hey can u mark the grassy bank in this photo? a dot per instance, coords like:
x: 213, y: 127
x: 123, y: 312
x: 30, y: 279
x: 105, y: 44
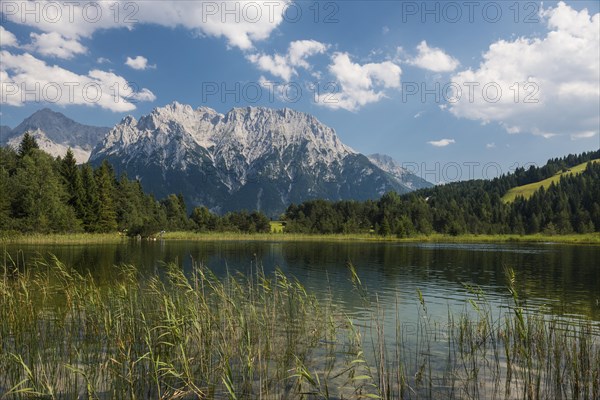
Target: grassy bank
x: 85, y: 238
x: 591, y: 238
x: 61, y: 238
x: 64, y: 335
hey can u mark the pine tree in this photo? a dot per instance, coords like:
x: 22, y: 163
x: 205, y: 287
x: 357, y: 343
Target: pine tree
x: 73, y: 182
x: 40, y: 198
x: 130, y: 205
x: 5, y: 200
x: 91, y: 203
x: 28, y: 144
x: 176, y: 212
x: 203, y: 219
x: 385, y: 229
x: 107, y: 215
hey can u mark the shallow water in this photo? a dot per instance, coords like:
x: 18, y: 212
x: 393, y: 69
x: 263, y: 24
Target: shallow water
x: 419, y: 337
x: 562, y: 280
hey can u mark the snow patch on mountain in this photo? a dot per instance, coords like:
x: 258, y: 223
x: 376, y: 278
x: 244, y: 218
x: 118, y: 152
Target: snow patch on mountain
x: 51, y: 147
x: 55, y: 133
x: 249, y: 157
x: 176, y: 134
x: 405, y: 177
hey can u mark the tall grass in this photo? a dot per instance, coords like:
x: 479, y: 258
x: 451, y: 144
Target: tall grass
x: 64, y: 335
x: 584, y: 238
x: 171, y: 335
x: 61, y: 238
x: 279, y: 235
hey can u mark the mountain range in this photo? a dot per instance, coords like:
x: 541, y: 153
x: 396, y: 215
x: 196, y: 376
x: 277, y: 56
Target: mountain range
x: 248, y: 158
x: 55, y: 133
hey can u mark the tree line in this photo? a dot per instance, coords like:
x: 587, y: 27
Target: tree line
x: 40, y: 193
x: 570, y: 206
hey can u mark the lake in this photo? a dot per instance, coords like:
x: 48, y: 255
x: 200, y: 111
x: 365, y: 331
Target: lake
x: 560, y: 279
x: 431, y: 318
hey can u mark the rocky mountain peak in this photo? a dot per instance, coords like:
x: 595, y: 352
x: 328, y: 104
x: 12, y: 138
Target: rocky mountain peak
x: 249, y: 157
x: 57, y: 132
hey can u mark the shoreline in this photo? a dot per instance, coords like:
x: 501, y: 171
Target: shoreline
x: 115, y: 238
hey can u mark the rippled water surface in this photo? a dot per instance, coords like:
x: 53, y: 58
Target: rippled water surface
x: 555, y: 279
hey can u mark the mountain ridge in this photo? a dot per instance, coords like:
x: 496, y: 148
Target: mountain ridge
x: 403, y: 175
x: 55, y: 133
x: 248, y: 157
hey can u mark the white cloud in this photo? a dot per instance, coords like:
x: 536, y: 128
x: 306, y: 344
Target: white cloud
x: 441, y: 142
x: 276, y: 65
x: 241, y: 23
x: 359, y: 85
x: 284, y: 66
x: 549, y: 85
x: 583, y: 135
x: 301, y: 49
x: 139, y: 63
x: 142, y: 95
x: 29, y: 79
x: 545, y: 135
x: 53, y: 44
x: 103, y: 60
x: 433, y: 59
x: 7, y: 39
x: 490, y: 145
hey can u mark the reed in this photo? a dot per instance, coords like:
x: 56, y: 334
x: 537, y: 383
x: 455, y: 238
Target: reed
x: 172, y: 335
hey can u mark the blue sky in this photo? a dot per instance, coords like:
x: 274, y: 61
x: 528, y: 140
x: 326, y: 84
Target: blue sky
x: 391, y: 77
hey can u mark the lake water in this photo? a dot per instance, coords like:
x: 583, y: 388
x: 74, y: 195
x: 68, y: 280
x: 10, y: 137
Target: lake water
x: 560, y: 282
x: 556, y: 279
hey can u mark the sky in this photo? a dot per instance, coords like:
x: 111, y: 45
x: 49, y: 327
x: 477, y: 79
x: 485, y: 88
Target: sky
x: 452, y: 90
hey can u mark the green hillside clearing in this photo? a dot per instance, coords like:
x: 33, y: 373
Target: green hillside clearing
x: 527, y: 190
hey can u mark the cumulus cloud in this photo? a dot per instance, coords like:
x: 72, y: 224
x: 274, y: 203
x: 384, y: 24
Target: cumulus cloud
x: 285, y: 66
x: 583, y: 135
x: 433, y: 59
x: 7, y: 39
x: 53, y: 44
x: 359, y: 85
x: 26, y: 78
x: 241, y: 22
x: 441, y: 142
x: 301, y: 49
x: 139, y: 63
x: 276, y: 65
x: 141, y: 95
x: 546, y: 86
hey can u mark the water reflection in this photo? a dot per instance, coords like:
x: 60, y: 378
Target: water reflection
x: 565, y: 279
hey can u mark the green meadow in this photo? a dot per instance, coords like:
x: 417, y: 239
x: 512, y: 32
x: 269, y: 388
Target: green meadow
x: 527, y: 190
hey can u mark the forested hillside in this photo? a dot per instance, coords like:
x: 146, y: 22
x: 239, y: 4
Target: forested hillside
x: 45, y: 194
x: 40, y: 193
x: 570, y: 206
